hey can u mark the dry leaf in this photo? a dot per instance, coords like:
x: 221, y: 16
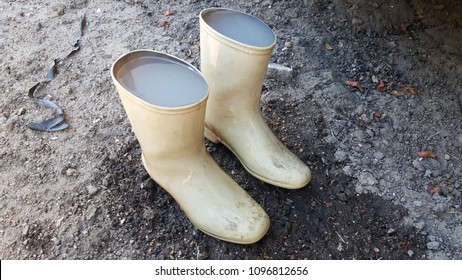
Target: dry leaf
x: 404, y: 26
x: 450, y: 187
x: 377, y: 114
x: 381, y: 87
x: 411, y: 90
x: 169, y: 13
x: 329, y: 47
x: 427, y: 154
x: 166, y: 24
x: 397, y: 93
x: 433, y: 190
x: 355, y: 84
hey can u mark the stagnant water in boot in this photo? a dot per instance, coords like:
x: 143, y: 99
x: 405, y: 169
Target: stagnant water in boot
x: 240, y: 27
x: 162, y: 81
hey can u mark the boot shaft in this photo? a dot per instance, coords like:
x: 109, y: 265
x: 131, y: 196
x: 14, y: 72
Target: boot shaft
x: 235, y: 52
x: 167, y: 117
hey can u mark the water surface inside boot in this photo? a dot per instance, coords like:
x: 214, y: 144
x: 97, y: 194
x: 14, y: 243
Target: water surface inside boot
x: 240, y: 27
x: 162, y: 81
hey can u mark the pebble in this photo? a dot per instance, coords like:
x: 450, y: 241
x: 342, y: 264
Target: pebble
x: 279, y: 72
x: 340, y: 156
x: 379, y: 155
x: 459, y: 138
x: 288, y: 45
x: 71, y: 172
x: 391, y: 231
x: 410, y: 253
x: 433, y: 245
x: 428, y: 173
x: 56, y: 241
x: 440, y: 207
x: 418, y: 165
x: 91, y: 214
x: 58, y: 9
x: 25, y: 230
x: 356, y: 21
x: 348, y: 171
x: 342, y: 197
x: 3, y: 119
x: 417, y: 203
x: 92, y: 190
x: 366, y: 178
x: 419, y: 225
x: 21, y: 111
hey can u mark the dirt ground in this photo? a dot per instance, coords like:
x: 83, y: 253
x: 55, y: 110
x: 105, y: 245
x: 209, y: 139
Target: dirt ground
x: 82, y: 193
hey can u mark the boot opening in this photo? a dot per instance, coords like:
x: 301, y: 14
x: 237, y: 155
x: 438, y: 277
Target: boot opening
x: 159, y: 79
x: 240, y: 27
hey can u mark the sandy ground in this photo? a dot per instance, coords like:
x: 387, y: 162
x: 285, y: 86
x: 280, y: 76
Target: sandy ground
x: 82, y: 193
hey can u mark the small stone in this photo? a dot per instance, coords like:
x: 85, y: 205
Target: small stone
x: 410, y: 253
x: 288, y: 45
x: 21, y: 111
x: 417, y: 203
x: 92, y: 213
x: 447, y: 157
x: 56, y: 241
x: 3, y: 118
x: 58, y: 9
x: 391, y: 231
x: 71, y: 172
x: 279, y: 72
x: 366, y: 178
x: 25, y: 230
x: 418, y: 165
x: 379, y: 155
x: 340, y: 156
x: 433, y: 245
x: 440, y: 207
x: 342, y: 197
x: 347, y: 170
x: 459, y: 138
x: 419, y: 225
x: 356, y: 22
x: 92, y: 190
x: 105, y: 182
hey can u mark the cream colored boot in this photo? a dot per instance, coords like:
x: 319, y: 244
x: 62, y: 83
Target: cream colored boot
x: 165, y: 100
x: 235, y: 52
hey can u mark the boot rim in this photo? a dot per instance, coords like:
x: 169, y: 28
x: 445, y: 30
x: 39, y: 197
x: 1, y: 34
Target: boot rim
x: 231, y: 42
x: 161, y: 109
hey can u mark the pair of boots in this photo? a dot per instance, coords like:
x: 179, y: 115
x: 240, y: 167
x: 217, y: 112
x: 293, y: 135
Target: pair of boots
x: 168, y: 104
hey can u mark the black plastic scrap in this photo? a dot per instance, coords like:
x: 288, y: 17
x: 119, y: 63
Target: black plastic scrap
x: 57, y: 122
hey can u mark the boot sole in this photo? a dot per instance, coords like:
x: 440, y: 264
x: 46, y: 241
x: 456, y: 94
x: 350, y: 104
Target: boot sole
x: 215, y: 139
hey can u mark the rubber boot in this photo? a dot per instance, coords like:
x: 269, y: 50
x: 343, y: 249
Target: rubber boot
x: 165, y: 100
x: 235, y: 52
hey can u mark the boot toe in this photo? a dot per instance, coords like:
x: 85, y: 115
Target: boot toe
x: 240, y: 228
